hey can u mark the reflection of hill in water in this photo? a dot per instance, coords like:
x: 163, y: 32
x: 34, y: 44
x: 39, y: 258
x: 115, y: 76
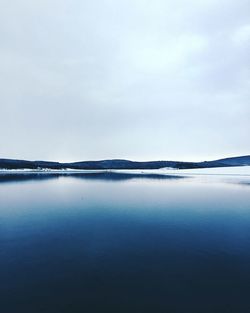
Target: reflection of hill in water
x: 244, y: 183
x: 111, y: 176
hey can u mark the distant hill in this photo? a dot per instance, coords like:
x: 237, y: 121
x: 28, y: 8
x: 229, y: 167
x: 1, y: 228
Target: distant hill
x: 236, y: 161
x: 122, y: 164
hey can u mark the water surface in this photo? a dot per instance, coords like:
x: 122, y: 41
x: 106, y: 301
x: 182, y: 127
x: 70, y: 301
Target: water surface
x: 116, y: 242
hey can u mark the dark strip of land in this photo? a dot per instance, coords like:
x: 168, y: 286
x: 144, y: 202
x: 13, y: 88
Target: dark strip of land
x: 121, y: 164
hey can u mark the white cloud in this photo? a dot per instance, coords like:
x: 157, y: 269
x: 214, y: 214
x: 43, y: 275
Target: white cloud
x: 150, y: 54
x: 137, y: 79
x: 242, y: 35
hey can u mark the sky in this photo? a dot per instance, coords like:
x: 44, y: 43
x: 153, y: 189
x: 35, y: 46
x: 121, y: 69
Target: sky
x: 141, y: 80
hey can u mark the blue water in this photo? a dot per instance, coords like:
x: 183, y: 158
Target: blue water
x: 123, y: 243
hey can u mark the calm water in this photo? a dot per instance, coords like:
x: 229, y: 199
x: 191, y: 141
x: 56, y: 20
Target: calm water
x: 121, y: 243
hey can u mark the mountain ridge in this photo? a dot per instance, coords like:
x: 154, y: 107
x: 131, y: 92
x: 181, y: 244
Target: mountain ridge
x: 9, y: 164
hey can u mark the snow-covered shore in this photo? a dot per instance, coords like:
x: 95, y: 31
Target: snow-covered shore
x: 231, y: 170
x: 236, y: 170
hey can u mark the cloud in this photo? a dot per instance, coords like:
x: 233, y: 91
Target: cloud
x: 242, y: 35
x: 136, y: 79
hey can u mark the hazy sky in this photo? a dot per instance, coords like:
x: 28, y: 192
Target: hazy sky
x: 131, y: 79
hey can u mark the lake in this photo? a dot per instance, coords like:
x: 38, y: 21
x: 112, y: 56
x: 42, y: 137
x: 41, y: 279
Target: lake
x: 121, y: 242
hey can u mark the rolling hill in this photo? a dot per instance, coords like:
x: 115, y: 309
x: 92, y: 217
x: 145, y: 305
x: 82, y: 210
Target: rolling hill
x: 11, y: 164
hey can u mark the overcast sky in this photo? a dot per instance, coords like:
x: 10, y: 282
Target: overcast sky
x: 133, y: 79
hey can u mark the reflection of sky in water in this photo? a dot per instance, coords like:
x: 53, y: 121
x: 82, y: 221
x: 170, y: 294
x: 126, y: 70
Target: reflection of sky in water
x: 119, y: 244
